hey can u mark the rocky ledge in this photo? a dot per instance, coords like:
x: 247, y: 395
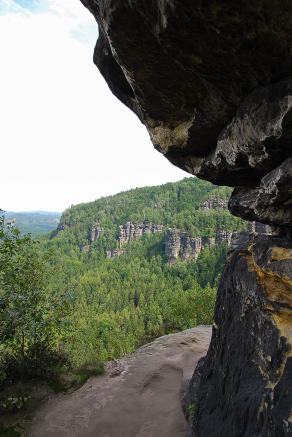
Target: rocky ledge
x: 212, y: 82
x: 139, y: 395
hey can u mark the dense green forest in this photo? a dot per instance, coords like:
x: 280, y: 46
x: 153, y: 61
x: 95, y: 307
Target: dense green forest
x: 175, y: 205
x: 61, y: 303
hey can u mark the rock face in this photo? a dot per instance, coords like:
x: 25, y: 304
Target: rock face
x: 214, y: 204
x: 258, y: 228
x: 271, y: 202
x: 244, y: 387
x: 179, y: 245
x: 113, y: 253
x: 187, y: 68
x: 131, y: 231
x: 212, y: 82
x: 96, y: 232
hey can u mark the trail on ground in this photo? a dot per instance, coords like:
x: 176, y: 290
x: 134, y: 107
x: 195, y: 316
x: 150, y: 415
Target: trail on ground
x: 139, y: 396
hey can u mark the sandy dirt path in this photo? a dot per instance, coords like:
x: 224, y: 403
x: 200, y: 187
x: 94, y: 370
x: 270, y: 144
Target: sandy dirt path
x: 143, y: 399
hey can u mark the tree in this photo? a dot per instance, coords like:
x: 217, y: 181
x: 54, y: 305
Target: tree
x: 28, y: 312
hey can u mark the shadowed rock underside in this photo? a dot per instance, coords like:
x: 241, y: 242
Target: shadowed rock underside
x: 212, y: 82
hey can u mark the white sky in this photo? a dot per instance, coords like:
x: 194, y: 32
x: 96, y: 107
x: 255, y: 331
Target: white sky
x: 64, y: 137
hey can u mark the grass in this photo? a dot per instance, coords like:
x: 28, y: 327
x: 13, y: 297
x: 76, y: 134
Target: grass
x: 191, y: 410
x: 71, y: 380
x: 19, y: 401
x: 9, y: 431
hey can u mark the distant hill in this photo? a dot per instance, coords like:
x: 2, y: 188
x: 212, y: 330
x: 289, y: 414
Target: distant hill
x: 190, y: 205
x: 35, y: 223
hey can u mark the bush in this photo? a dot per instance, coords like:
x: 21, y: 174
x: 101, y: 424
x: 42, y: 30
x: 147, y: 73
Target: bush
x: 29, y: 315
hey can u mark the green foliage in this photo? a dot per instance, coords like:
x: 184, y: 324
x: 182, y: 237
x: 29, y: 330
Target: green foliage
x: 175, y: 205
x: 119, y: 304
x: 29, y: 313
x: 63, y: 309
x: 191, y: 410
x: 70, y: 379
x: 13, y: 403
x: 9, y: 431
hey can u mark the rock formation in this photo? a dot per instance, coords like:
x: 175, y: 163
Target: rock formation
x: 95, y: 232
x: 113, y: 253
x: 243, y: 387
x: 131, y: 231
x: 258, y: 228
x: 179, y: 245
x: 212, y: 83
x: 215, y: 203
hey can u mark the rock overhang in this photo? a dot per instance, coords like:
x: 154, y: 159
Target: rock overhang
x: 211, y: 81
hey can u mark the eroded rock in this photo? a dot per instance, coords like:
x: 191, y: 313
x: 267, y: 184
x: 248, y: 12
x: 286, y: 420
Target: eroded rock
x: 215, y: 203
x: 95, y: 232
x: 131, y: 231
x: 269, y: 203
x: 212, y: 83
x: 185, y: 67
x: 179, y: 245
x: 244, y: 386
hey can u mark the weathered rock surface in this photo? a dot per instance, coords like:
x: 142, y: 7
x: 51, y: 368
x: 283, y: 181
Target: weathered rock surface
x: 215, y: 203
x: 113, y: 253
x: 185, y: 67
x: 179, y: 245
x: 258, y: 228
x: 244, y: 385
x: 212, y: 82
x: 131, y: 231
x: 269, y: 203
x: 139, y: 396
x: 256, y: 141
x: 96, y: 232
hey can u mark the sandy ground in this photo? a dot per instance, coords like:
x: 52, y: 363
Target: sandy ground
x: 140, y: 395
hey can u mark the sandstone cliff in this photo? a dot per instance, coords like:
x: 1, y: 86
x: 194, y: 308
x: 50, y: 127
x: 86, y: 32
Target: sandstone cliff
x: 212, y: 83
x: 215, y: 203
x: 179, y: 245
x: 131, y: 231
x: 95, y: 232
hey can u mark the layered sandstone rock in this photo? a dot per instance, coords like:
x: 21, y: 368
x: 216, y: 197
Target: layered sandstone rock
x: 179, y: 245
x: 95, y: 232
x: 212, y: 83
x: 113, y: 253
x: 243, y: 387
x: 131, y: 231
x: 215, y: 203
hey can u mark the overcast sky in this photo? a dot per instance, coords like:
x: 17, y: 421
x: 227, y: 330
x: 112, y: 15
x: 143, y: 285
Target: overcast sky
x: 64, y: 137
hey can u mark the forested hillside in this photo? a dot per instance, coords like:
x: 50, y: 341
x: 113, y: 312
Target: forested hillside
x: 119, y: 302
x: 35, y: 222
x: 175, y: 205
x: 116, y: 273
